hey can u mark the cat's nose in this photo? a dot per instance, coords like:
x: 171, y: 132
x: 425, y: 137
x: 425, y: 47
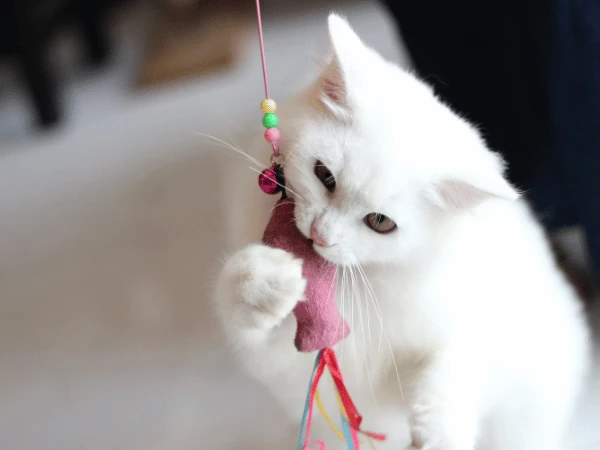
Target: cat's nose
x: 316, y: 237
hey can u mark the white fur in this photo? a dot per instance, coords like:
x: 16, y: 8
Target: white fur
x: 466, y: 334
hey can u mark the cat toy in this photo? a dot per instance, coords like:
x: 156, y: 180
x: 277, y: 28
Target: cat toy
x: 320, y: 325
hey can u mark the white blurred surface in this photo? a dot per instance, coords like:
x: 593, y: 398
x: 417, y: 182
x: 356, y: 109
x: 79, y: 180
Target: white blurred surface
x: 111, y: 230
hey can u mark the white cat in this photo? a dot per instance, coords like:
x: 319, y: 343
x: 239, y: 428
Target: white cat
x: 466, y: 334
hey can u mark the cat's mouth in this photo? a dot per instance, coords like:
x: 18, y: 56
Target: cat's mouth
x: 306, y: 223
x: 317, y: 244
x: 329, y: 253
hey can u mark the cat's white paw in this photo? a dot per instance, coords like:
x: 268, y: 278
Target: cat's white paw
x: 264, y: 285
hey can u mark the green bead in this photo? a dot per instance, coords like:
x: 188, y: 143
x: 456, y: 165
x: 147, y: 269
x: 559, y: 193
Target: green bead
x: 270, y: 120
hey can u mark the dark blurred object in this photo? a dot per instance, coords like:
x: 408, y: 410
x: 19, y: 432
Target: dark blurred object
x: 194, y: 37
x: 575, y: 272
x: 25, y: 29
x: 527, y: 72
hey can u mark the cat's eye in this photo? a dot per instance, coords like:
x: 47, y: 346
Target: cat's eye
x: 380, y: 223
x: 325, y: 176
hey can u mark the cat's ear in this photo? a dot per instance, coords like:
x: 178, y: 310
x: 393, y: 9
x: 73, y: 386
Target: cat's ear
x: 347, y: 49
x: 459, y: 194
x: 463, y: 191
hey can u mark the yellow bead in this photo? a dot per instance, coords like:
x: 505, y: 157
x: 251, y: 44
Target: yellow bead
x: 268, y: 106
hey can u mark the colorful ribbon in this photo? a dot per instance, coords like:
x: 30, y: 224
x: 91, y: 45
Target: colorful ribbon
x: 350, y: 417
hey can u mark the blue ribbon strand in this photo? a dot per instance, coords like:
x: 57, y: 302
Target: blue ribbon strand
x: 302, y: 437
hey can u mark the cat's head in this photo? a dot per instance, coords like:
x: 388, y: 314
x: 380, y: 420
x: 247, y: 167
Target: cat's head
x: 377, y: 160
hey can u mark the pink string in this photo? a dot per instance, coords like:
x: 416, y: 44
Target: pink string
x: 261, y: 42
x: 262, y: 48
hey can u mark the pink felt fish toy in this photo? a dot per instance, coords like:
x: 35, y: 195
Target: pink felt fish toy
x: 320, y: 324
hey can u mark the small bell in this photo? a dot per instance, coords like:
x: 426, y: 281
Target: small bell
x: 268, y: 181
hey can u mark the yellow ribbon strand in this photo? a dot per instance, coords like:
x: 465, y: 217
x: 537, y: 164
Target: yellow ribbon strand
x: 337, y: 432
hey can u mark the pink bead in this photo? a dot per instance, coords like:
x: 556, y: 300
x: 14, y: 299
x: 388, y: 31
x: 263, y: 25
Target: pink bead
x: 272, y: 135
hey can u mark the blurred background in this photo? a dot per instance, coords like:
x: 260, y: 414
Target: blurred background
x: 113, y: 205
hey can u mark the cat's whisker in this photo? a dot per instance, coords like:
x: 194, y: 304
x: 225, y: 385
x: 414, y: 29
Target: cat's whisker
x: 340, y: 286
x: 236, y: 154
x: 343, y: 282
x: 341, y: 319
x: 277, y: 183
x: 365, y: 296
x: 233, y: 142
x: 276, y: 205
x: 324, y: 264
x: 375, y: 302
x: 236, y: 149
x: 293, y: 153
x: 365, y: 353
x: 352, y: 301
x: 383, y: 333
